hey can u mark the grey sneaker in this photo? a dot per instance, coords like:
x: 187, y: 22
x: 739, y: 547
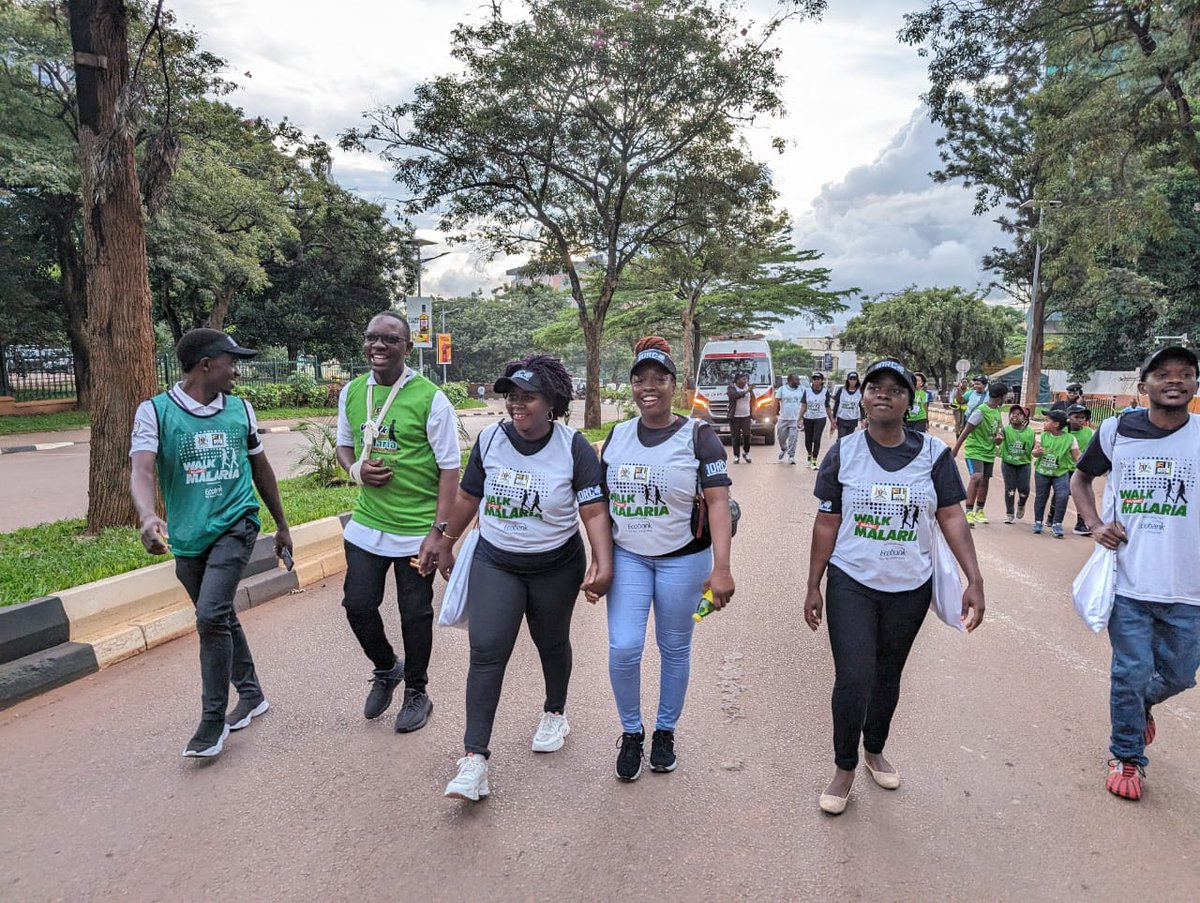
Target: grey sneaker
x: 244, y: 712
x: 208, y: 741
x: 1020, y: 511
x: 414, y: 712
x: 471, y: 782
x: 383, y: 687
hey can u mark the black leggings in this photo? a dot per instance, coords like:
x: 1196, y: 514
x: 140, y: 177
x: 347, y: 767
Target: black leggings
x: 813, y: 430
x: 497, y: 600
x: 739, y: 433
x: 871, y: 633
x: 846, y: 427
x: 1016, y: 484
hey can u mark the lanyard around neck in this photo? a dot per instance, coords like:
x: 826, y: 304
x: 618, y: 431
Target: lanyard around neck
x: 372, y: 425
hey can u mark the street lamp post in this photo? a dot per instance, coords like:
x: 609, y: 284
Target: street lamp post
x: 417, y: 244
x: 1035, y: 335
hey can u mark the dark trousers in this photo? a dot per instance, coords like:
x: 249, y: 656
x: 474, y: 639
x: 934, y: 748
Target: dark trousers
x: 917, y: 426
x: 211, y: 580
x: 362, y: 596
x: 739, y: 431
x: 813, y: 430
x: 1061, y: 487
x: 499, y: 599
x: 871, y: 633
x: 846, y: 427
x: 1016, y: 484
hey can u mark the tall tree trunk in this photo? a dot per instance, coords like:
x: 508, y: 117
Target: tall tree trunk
x: 220, y: 309
x: 119, y: 332
x: 688, y: 341
x: 73, y: 294
x: 592, y: 332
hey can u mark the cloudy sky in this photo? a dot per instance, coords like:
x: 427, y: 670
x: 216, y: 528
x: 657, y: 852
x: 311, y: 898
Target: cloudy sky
x: 854, y: 177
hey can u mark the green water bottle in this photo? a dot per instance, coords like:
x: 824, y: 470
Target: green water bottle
x: 705, y: 608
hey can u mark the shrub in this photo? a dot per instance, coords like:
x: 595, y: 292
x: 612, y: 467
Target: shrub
x: 320, y: 454
x: 262, y: 396
x: 332, y: 392
x: 457, y: 393
x: 302, y: 391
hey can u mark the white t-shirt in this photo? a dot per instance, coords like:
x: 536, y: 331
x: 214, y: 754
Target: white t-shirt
x: 145, y: 421
x: 789, y: 403
x: 441, y: 429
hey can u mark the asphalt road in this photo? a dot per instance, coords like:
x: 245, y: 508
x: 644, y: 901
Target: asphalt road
x: 1000, y: 737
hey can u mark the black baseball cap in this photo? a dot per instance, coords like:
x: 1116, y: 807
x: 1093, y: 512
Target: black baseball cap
x: 197, y: 344
x: 526, y: 380
x: 979, y: 378
x: 998, y: 390
x: 1075, y: 387
x: 894, y: 367
x: 1079, y: 409
x: 817, y: 376
x: 1171, y: 353
x: 655, y: 356
x: 853, y: 374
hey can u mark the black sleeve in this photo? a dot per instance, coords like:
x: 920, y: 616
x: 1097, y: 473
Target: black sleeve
x: 587, y: 480
x: 473, y: 474
x: 1094, y: 462
x: 947, y: 482
x: 713, y: 470
x: 828, y: 488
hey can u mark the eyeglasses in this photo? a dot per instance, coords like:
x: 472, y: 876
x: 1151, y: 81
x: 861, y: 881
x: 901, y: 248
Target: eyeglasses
x: 521, y: 398
x: 663, y: 379
x: 889, y: 391
x: 392, y: 340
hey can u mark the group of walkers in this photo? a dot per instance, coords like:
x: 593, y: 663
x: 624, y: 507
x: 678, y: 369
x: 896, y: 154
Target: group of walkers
x: 655, y: 507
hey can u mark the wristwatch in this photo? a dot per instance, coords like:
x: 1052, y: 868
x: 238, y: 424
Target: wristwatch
x: 441, y: 526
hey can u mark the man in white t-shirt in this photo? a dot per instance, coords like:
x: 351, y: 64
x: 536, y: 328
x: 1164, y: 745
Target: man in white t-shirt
x: 788, y: 399
x: 1152, y: 459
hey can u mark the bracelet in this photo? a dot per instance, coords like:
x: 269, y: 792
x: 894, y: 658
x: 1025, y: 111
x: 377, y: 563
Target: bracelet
x: 356, y: 472
x: 441, y: 530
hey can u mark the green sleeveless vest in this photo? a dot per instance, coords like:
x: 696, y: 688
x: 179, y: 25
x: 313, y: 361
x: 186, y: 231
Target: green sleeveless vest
x: 203, y: 472
x: 919, y: 409
x: 407, y: 505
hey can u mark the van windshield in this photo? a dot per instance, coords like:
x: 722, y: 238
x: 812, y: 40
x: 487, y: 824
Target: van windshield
x: 721, y: 371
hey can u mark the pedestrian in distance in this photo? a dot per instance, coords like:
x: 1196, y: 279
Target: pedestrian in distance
x: 814, y: 412
x: 1016, y: 441
x: 741, y: 410
x: 1074, y: 397
x: 202, y: 443
x: 846, y: 408
x: 660, y: 559
x: 1079, y: 425
x: 917, y: 417
x: 528, y: 565
x: 967, y: 399
x: 397, y: 437
x: 879, y: 493
x: 788, y: 399
x: 978, y: 439
x: 1154, y: 628
x: 1055, y: 451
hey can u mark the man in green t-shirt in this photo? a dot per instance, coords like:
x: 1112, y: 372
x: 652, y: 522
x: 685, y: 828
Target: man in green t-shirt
x: 397, y: 437
x: 978, y: 438
x: 1079, y: 426
x: 202, y: 443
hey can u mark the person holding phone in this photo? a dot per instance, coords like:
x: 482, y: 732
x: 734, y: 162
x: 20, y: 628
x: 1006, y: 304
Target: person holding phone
x: 202, y: 444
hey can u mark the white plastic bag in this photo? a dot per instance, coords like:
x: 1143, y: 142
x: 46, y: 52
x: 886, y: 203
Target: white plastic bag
x: 1094, y: 588
x: 454, y: 599
x: 947, y: 583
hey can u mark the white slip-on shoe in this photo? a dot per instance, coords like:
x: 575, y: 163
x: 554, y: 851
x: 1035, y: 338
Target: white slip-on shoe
x: 471, y: 782
x: 834, y: 805
x: 888, y: 780
x: 551, y: 733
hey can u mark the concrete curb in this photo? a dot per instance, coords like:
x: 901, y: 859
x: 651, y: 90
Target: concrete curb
x: 40, y: 446
x: 47, y: 642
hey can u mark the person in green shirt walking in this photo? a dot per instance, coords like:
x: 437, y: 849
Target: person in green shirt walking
x: 917, y: 417
x: 978, y: 438
x: 1016, y: 442
x: 1079, y: 425
x: 397, y: 437
x: 1056, y: 452
x: 202, y: 444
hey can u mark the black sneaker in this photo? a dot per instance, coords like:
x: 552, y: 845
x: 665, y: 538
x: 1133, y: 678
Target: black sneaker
x: 629, y: 759
x: 208, y: 741
x: 383, y: 687
x: 414, y: 712
x: 662, y: 752
x: 244, y: 712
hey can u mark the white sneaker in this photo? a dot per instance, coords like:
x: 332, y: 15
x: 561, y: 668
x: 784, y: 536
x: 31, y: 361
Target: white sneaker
x: 552, y: 731
x: 471, y: 781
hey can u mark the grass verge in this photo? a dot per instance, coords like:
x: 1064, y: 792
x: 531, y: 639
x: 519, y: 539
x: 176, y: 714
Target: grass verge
x: 41, y: 560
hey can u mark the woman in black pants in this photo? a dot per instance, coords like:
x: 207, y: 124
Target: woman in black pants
x: 529, y: 480
x: 880, y: 491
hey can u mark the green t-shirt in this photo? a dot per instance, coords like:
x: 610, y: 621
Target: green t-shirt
x: 1056, y: 458
x: 1016, y: 446
x: 1083, y: 436
x: 980, y: 445
x: 203, y: 472
x: 919, y: 409
x: 407, y: 504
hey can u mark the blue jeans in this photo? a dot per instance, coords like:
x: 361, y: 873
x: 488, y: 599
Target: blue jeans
x: 672, y: 586
x: 1061, y: 487
x: 1155, y: 654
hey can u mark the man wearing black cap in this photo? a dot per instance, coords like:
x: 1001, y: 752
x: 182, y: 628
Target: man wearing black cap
x: 1152, y: 459
x: 203, y: 443
x: 1074, y: 397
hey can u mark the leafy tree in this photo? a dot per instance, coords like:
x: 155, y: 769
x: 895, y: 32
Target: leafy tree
x: 929, y: 329
x: 573, y: 131
x: 789, y: 357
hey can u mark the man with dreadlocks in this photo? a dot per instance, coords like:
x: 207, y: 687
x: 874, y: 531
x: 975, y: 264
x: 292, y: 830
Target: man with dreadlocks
x: 529, y: 481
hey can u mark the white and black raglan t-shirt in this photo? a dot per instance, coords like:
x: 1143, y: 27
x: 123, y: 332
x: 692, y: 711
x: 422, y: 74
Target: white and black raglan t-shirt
x: 887, y: 498
x: 651, y: 477
x: 1151, y: 488
x: 847, y: 405
x: 817, y: 402
x: 530, y: 492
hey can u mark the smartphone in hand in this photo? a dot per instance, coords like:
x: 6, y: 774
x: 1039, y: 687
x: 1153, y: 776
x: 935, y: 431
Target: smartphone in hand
x: 285, y: 556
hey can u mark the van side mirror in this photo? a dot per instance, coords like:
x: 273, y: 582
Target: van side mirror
x: 778, y: 382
